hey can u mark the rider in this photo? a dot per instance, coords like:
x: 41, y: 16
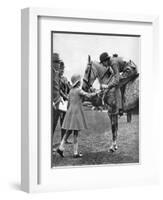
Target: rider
x: 127, y: 70
x: 113, y: 93
x: 121, y: 62
x: 113, y: 66
x: 124, y: 72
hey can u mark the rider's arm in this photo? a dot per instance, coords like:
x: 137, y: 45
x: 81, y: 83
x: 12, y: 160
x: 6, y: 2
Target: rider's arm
x: 115, y: 80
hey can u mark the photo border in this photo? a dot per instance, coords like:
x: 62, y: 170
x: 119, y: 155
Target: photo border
x: 30, y: 80
x: 52, y: 51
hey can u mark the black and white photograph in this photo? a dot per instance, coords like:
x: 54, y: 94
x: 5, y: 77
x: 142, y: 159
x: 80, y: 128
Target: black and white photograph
x: 94, y: 99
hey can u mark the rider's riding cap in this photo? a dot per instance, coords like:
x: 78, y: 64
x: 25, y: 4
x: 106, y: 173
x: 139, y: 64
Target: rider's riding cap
x: 55, y: 58
x: 75, y: 79
x: 104, y: 56
x: 115, y: 55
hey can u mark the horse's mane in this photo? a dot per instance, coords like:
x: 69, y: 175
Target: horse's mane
x: 96, y: 64
x: 101, y: 71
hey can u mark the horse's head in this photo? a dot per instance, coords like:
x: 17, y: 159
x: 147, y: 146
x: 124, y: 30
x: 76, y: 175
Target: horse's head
x: 90, y: 76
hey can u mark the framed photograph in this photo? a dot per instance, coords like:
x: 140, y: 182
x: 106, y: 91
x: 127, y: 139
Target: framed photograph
x: 87, y: 114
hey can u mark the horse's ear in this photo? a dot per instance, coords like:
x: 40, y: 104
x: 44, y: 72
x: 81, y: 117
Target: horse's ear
x: 89, y: 59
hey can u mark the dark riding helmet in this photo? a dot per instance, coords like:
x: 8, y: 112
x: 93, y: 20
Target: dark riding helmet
x: 104, y: 56
x: 115, y: 55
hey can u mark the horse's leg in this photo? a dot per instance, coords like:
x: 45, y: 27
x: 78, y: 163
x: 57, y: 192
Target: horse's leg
x: 129, y: 117
x: 114, y: 127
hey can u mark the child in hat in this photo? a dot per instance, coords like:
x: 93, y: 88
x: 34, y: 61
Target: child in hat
x: 75, y: 119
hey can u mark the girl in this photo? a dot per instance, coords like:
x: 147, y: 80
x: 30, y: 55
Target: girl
x: 74, y: 119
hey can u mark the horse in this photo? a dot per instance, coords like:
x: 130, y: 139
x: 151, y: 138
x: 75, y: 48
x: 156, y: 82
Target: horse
x: 128, y: 84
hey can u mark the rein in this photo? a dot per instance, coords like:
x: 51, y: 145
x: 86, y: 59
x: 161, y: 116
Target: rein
x: 89, y: 75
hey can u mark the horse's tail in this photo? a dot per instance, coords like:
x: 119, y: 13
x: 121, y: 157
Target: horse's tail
x: 131, y: 94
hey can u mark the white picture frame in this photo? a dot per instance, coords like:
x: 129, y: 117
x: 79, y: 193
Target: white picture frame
x: 31, y: 164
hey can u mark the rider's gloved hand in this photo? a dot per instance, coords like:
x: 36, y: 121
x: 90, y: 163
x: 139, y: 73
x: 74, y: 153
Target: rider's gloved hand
x: 92, y: 89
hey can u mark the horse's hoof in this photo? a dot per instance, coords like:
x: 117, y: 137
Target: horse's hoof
x: 115, y: 147
x: 111, y: 149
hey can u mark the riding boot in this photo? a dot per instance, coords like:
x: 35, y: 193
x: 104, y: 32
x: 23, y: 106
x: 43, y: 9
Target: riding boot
x: 102, y: 98
x: 120, y: 112
x: 63, y: 131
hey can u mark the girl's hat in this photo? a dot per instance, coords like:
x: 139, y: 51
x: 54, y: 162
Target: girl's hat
x: 75, y: 79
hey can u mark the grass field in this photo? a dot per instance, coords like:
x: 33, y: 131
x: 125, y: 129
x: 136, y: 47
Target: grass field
x: 94, y: 143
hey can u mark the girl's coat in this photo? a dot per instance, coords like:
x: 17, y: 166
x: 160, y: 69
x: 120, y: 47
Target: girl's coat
x: 75, y: 118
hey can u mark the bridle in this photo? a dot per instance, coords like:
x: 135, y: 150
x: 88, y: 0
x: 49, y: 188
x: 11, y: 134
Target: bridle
x: 88, y: 84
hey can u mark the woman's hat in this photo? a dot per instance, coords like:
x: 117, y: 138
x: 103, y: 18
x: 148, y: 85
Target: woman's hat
x: 75, y: 79
x: 62, y: 65
x: 104, y: 56
x: 55, y: 58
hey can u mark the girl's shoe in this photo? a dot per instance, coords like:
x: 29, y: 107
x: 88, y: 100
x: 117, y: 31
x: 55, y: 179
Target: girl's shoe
x: 79, y: 155
x: 60, y: 152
